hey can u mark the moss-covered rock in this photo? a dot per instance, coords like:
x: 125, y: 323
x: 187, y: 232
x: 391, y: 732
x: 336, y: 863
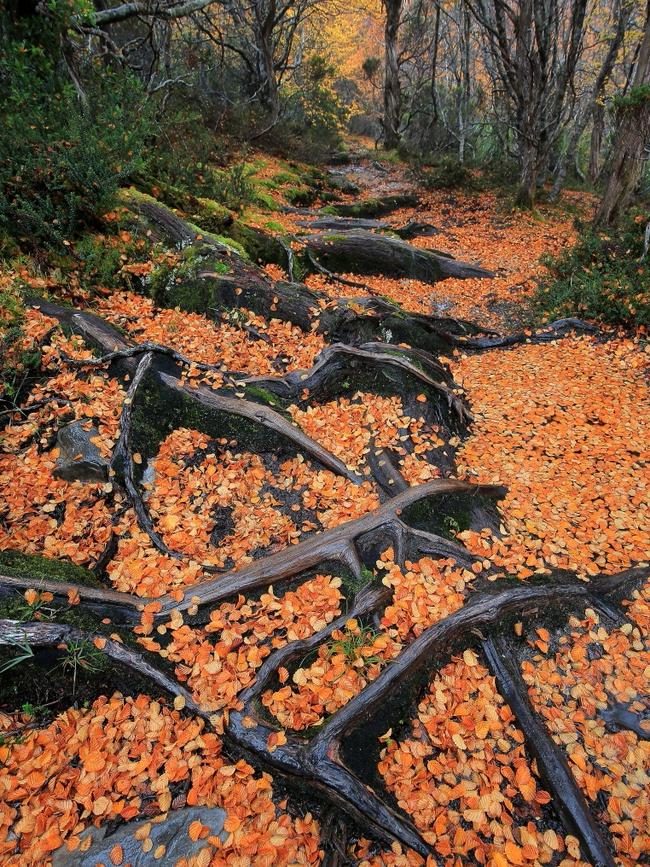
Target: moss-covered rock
x: 183, y: 285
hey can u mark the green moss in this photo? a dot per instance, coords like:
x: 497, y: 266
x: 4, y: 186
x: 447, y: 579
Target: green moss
x: 233, y: 245
x: 158, y: 411
x: 301, y: 196
x: 286, y: 178
x: 212, y: 216
x: 16, y: 564
x: 267, y: 201
x: 259, y: 246
x: 274, y: 227
x: 181, y: 285
x: 256, y: 392
x: 352, y: 585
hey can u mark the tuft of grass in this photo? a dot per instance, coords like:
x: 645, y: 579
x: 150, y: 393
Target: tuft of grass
x: 351, y: 645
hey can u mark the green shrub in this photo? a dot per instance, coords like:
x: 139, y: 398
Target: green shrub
x: 301, y: 196
x: 445, y: 174
x: 602, y: 277
x: 62, y: 160
x: 234, y: 187
x: 313, y: 113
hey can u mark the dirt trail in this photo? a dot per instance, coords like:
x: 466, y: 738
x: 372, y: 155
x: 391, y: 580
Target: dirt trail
x: 408, y: 582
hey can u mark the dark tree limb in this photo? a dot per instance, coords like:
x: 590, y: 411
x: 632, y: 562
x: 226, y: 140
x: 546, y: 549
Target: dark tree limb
x: 47, y: 634
x: 321, y: 759
x: 348, y: 544
x: 619, y: 717
x: 338, y: 358
x: 553, y: 331
x: 551, y: 760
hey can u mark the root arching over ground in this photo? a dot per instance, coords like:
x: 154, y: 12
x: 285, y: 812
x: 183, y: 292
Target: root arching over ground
x: 373, y: 347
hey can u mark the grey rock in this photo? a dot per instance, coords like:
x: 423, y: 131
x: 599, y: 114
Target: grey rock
x: 79, y: 459
x: 339, y: 181
x: 172, y: 833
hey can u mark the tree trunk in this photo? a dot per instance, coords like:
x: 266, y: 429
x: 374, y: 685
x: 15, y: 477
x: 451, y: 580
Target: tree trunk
x: 392, y: 86
x: 464, y: 91
x: 528, y: 177
x: 629, y: 152
x: 596, y: 142
x: 591, y: 106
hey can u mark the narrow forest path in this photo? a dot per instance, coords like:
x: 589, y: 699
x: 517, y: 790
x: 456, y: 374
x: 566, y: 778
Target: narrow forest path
x: 325, y: 574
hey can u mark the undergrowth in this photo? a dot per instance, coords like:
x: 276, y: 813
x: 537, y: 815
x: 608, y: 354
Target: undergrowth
x: 603, y: 277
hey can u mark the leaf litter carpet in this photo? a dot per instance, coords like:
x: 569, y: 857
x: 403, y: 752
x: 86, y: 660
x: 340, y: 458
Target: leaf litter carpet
x: 564, y: 426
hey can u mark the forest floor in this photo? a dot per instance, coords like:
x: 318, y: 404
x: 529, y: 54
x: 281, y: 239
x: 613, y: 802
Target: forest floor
x: 563, y: 424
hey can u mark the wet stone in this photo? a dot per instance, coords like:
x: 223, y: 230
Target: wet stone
x: 79, y: 458
x: 172, y: 833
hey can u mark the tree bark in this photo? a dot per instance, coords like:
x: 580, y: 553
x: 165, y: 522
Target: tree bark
x: 590, y: 105
x: 596, y: 142
x: 392, y: 86
x: 629, y: 148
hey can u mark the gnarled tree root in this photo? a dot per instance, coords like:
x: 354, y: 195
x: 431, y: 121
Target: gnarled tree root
x: 320, y: 762
x: 350, y: 544
x: 551, y: 760
x: 322, y: 759
x: 552, y: 331
x: 362, y: 252
x: 336, y: 361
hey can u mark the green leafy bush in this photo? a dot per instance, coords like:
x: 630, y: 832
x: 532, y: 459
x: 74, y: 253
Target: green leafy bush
x: 602, y: 277
x: 62, y: 159
x: 313, y: 113
x: 446, y: 173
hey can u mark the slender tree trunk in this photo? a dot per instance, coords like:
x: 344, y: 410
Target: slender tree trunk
x: 265, y: 23
x: 596, y: 142
x: 590, y: 105
x: 434, y: 67
x: 629, y: 148
x: 392, y: 86
x: 528, y: 176
x: 463, y: 96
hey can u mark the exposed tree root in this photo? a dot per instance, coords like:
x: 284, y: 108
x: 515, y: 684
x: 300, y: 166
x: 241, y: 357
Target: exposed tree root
x: 326, y: 757
x: 335, y: 362
x: 245, y: 285
x: 351, y: 545
x: 378, y: 207
x: 338, y: 760
x: 551, y: 760
x: 322, y: 762
x: 365, y: 252
x: 45, y: 634
x: 552, y: 331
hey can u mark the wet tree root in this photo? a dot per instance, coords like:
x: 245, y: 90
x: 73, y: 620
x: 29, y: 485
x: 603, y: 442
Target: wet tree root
x: 551, y: 760
x: 350, y: 544
x: 552, y: 331
x: 246, y: 286
x: 363, y: 252
x: 332, y: 761
x: 335, y: 362
x: 319, y: 763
